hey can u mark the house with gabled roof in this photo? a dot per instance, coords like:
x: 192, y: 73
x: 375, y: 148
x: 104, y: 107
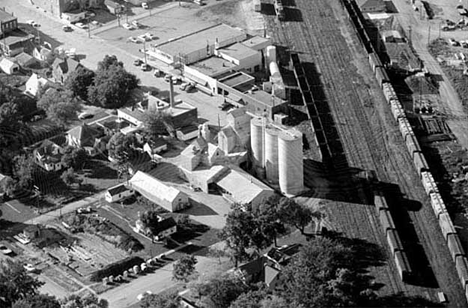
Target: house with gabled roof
x: 86, y: 137
x: 49, y: 155
x: 41, y: 53
x: 118, y: 193
x: 62, y: 68
x: 24, y: 60
x: 35, y: 84
x: 8, y: 66
x: 373, y: 6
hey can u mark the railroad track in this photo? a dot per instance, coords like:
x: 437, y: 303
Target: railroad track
x: 365, y: 136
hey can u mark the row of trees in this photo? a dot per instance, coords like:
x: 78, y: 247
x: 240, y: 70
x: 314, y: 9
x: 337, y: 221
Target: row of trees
x: 20, y: 290
x: 258, y: 228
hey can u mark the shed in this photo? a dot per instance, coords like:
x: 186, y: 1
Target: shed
x: 166, y: 227
x: 156, y: 191
x: 8, y: 66
x: 117, y: 193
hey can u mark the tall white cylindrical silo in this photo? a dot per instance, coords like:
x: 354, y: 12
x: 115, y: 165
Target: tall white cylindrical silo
x: 290, y: 160
x: 271, y: 54
x: 271, y: 155
x: 256, y: 141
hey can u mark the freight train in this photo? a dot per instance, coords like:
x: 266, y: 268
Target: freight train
x: 440, y: 211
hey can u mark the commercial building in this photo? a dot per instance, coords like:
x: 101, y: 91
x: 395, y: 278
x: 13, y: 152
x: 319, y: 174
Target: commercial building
x: 196, y: 46
x: 8, y: 23
x: 118, y: 193
x: 156, y: 191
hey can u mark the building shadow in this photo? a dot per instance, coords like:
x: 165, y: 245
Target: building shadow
x: 292, y: 14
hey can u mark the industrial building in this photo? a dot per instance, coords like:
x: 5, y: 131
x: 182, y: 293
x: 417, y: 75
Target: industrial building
x: 277, y: 155
x: 156, y: 191
x: 196, y: 46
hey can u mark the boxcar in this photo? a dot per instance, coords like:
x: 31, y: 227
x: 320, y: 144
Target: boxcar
x: 446, y: 225
x: 429, y: 183
x: 412, y: 144
x: 420, y: 162
x: 402, y: 264
x: 437, y: 203
x: 397, y: 109
x: 454, y: 246
x: 462, y: 270
x: 386, y: 220
x: 394, y: 242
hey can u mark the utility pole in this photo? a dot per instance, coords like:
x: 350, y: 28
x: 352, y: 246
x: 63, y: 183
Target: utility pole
x: 429, y: 35
x: 409, y: 31
x: 89, y: 28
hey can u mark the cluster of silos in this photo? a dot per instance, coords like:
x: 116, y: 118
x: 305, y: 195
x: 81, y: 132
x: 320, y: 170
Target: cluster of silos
x: 277, y: 156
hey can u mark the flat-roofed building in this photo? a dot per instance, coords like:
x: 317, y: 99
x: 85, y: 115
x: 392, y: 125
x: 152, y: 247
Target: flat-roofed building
x: 196, y: 46
x: 8, y: 22
x: 243, y: 57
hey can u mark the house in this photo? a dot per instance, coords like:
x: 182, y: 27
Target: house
x: 49, y: 155
x: 114, y: 7
x: 165, y: 228
x: 62, y: 68
x: 118, y: 193
x: 155, y: 146
x: 9, y: 66
x: 227, y: 139
x: 156, y: 191
x: 16, y: 42
x: 373, y: 6
x: 35, y: 84
x: 25, y: 60
x: 41, y: 53
x: 86, y: 137
x: 32, y: 231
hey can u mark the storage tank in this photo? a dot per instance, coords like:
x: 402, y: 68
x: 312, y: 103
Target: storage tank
x: 290, y: 161
x: 275, y: 74
x: 271, y: 54
x: 271, y: 155
x: 256, y: 142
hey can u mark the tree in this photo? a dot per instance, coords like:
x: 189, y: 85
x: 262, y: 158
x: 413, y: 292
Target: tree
x: 269, y: 218
x: 37, y: 301
x: 324, y: 274
x: 61, y: 107
x: 9, y: 185
x: 121, y: 147
x: 150, y: 219
x: 295, y: 214
x: 109, y: 61
x: 275, y: 301
x: 15, y: 283
x: 165, y: 300
x: 184, y: 268
x: 251, y: 299
x: 23, y: 168
x: 74, y: 157
x: 12, y: 127
x: 157, y: 123
x: 112, y: 84
x: 69, y: 177
x: 219, y: 291
x: 241, y: 232
x: 87, y: 301
x: 79, y: 81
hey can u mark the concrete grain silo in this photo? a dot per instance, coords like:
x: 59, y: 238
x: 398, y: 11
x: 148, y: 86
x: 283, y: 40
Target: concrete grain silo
x: 256, y: 142
x: 290, y: 160
x: 271, y: 154
x: 271, y: 54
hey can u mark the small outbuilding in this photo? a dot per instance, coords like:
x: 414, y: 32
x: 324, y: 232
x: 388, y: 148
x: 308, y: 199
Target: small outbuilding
x: 9, y: 66
x: 118, y: 193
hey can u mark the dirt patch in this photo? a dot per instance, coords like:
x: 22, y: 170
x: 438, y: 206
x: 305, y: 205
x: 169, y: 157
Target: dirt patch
x: 228, y: 12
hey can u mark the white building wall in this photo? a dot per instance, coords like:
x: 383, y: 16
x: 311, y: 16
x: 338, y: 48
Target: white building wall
x: 211, y: 82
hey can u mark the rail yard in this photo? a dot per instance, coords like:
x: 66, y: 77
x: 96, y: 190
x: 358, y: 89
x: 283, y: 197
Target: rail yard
x: 345, y: 91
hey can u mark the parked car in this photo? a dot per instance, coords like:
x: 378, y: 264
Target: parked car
x: 67, y: 28
x: 29, y: 267
x: 145, y: 5
x: 81, y: 25
x: 464, y: 44
x: 84, y: 210
x: 225, y: 106
x: 143, y: 295
x: 128, y: 26
x: 33, y: 23
x: 145, y: 67
x: 190, y: 88
x: 133, y: 39
x: 5, y: 250
x: 85, y: 115
x: 136, y: 24
x: 150, y: 36
x: 143, y: 37
x: 137, y: 62
x: 183, y: 86
x: 453, y: 42
x: 158, y: 73
x: 167, y: 78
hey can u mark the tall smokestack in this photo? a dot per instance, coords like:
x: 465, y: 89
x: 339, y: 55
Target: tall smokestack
x: 171, y: 92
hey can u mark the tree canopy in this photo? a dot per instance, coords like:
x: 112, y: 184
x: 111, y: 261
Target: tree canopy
x: 37, y: 301
x: 15, y: 283
x: 219, y: 291
x: 162, y: 300
x: 79, y: 81
x: 60, y: 107
x: 87, y: 301
x: 184, y: 267
x: 157, y: 123
x: 112, y: 84
x: 74, y: 157
x: 150, y: 219
x: 121, y: 147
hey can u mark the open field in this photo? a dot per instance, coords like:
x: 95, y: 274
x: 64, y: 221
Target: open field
x: 320, y: 32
